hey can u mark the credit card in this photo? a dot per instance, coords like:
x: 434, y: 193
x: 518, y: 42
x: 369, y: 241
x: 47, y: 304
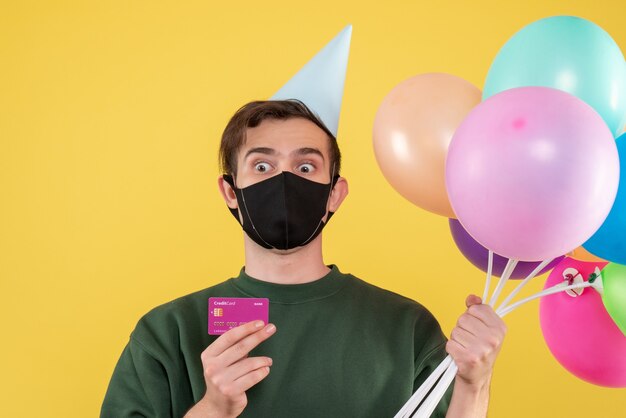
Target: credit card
x: 228, y: 313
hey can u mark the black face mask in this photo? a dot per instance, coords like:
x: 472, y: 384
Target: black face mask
x: 283, y: 212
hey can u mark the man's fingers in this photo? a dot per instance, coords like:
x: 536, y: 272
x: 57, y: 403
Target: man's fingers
x: 245, y: 366
x: 471, y: 324
x: 473, y: 300
x: 484, y: 312
x: 231, y: 337
x: 241, y: 348
x: 248, y: 380
x: 487, y: 315
x: 463, y: 337
x: 454, y: 349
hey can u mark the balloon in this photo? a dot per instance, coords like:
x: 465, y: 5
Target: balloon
x: 479, y: 255
x: 609, y: 242
x: 583, y: 255
x: 580, y: 333
x: 614, y: 296
x: 532, y: 173
x: 567, y: 53
x: 412, y: 130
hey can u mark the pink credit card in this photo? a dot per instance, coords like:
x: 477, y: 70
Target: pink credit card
x: 228, y: 313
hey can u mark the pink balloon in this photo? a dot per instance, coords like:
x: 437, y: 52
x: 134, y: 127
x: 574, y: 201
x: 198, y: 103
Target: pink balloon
x: 580, y: 333
x: 532, y: 173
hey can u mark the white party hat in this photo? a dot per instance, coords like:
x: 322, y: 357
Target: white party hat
x: 319, y: 84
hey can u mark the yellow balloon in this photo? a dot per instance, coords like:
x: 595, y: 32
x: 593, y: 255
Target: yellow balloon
x: 582, y: 254
x: 412, y: 131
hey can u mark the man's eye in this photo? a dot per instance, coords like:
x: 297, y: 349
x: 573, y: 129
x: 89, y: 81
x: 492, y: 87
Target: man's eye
x: 262, y: 167
x: 306, y: 168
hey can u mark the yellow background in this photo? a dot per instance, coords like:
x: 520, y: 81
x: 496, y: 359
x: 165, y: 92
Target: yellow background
x: 110, y: 116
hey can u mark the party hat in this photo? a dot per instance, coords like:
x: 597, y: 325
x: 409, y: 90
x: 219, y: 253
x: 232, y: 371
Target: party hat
x: 319, y: 84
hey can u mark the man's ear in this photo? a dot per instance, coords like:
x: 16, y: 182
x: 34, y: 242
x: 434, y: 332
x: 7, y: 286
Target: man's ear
x: 339, y: 192
x: 227, y: 192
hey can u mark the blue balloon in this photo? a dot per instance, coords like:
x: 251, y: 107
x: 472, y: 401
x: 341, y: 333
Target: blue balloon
x: 570, y: 54
x: 609, y: 242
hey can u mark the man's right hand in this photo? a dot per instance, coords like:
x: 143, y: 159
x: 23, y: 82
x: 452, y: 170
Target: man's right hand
x: 229, y: 372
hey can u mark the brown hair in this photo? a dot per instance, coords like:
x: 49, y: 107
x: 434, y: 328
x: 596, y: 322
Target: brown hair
x: 252, y: 114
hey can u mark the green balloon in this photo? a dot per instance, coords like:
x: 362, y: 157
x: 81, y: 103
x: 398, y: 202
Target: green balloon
x: 566, y: 53
x: 614, y: 295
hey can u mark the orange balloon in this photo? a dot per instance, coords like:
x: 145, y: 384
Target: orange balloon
x: 582, y: 254
x: 412, y: 131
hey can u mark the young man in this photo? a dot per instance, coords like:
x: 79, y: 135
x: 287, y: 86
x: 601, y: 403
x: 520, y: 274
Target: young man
x: 336, y: 345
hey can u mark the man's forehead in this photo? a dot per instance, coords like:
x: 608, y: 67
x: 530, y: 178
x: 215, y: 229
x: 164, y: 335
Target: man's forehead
x: 291, y: 136
x: 292, y: 127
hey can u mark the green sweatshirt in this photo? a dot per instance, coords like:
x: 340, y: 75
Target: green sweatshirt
x: 342, y: 348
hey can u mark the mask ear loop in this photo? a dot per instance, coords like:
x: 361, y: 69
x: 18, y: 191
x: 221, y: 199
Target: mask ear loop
x: 243, y: 198
x: 332, y: 184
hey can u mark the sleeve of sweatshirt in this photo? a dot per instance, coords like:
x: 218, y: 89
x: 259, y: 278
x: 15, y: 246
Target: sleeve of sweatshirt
x: 428, y: 365
x: 430, y: 342
x: 139, y: 386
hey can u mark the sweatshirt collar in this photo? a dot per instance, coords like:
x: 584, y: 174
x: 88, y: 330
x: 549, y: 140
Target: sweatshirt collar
x: 323, y: 287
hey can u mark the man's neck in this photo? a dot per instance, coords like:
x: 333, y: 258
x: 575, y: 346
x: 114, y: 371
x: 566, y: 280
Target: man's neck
x: 301, y: 265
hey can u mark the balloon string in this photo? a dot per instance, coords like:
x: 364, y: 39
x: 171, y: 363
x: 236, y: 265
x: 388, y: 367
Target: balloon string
x: 419, y: 395
x: 508, y: 270
x: 434, y: 398
x: 447, y: 367
x: 409, y: 407
x: 488, y: 279
x: 524, y: 282
x: 502, y: 311
x: 431, y: 402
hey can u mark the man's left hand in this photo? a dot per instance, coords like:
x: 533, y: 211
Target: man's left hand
x: 475, y: 342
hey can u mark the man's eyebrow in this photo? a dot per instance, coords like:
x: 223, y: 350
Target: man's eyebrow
x: 260, y: 150
x: 308, y: 150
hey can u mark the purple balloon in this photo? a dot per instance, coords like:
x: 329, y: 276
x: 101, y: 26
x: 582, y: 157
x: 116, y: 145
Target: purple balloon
x: 532, y: 173
x: 479, y: 255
